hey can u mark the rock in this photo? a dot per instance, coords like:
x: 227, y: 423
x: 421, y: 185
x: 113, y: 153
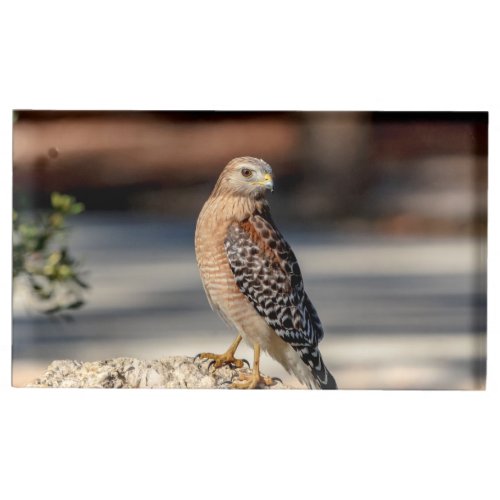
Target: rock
x: 176, y: 372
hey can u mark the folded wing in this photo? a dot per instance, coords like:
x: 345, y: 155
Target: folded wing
x: 267, y: 273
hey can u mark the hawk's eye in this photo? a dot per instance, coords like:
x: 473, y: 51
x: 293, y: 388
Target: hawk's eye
x: 246, y: 172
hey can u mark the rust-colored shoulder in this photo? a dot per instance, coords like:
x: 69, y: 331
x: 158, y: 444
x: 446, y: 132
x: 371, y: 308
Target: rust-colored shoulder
x: 261, y: 235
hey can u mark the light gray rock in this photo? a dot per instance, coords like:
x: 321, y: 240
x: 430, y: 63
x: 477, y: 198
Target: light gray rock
x: 176, y: 372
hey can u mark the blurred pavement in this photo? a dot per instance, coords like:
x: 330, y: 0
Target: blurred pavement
x: 398, y: 312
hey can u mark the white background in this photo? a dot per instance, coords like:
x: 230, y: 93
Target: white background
x: 310, y: 55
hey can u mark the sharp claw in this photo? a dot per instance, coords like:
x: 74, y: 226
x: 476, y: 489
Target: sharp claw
x: 274, y: 379
x: 210, y: 364
x: 245, y: 361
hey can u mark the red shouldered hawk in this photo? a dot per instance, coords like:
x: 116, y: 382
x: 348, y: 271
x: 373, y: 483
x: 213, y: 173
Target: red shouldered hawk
x: 252, y: 278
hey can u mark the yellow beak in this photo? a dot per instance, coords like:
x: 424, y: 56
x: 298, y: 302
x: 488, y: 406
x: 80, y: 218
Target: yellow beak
x: 267, y: 182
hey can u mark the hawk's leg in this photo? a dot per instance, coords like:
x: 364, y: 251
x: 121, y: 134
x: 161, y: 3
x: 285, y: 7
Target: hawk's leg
x: 227, y: 358
x: 254, y: 379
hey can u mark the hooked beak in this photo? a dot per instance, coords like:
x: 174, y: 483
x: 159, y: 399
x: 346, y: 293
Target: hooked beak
x: 267, y: 182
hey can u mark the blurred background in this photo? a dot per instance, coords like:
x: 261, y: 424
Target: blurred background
x: 386, y: 213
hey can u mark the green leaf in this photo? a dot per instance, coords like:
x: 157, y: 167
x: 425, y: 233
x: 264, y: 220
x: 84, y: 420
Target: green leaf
x: 77, y: 208
x: 80, y: 282
x: 53, y: 310
x: 75, y: 305
x: 55, y: 199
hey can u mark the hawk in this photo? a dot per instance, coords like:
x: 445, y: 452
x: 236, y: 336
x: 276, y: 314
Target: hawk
x: 252, y: 279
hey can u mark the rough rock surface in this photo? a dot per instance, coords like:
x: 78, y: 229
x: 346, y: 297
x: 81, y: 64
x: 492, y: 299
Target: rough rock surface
x: 176, y: 372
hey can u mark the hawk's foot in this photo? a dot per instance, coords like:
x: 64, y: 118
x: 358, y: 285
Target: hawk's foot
x: 227, y: 358
x: 219, y: 360
x: 252, y: 381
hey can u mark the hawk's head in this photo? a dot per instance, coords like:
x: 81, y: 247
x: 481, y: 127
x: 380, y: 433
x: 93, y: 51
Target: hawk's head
x: 247, y: 176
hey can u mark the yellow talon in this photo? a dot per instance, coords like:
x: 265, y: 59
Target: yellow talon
x: 251, y: 381
x: 254, y: 379
x: 227, y: 358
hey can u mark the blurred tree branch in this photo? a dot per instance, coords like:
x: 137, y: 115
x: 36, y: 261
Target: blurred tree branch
x: 42, y: 260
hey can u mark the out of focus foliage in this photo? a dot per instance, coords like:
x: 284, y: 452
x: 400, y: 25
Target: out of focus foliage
x: 42, y: 260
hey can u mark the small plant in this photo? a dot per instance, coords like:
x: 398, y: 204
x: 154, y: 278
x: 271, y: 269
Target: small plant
x: 41, y: 259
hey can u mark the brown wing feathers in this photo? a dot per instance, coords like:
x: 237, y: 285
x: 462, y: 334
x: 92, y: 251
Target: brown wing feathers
x: 267, y: 273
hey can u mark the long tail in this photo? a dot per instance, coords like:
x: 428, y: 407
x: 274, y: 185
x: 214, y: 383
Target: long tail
x: 322, y: 377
